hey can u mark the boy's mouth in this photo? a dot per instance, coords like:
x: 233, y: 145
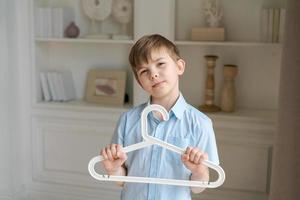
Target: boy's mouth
x: 157, y: 84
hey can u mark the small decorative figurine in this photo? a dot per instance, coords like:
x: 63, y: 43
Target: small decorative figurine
x: 213, y: 13
x: 210, y: 86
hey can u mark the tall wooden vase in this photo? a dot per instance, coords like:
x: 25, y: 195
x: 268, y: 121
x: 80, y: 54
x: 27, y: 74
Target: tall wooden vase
x: 209, y: 105
x: 228, y: 89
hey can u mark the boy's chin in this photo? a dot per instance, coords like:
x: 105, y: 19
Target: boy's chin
x: 159, y: 94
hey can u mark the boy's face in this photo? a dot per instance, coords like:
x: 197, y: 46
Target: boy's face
x: 159, y: 77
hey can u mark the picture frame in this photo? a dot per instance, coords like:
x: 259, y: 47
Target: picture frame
x: 105, y: 86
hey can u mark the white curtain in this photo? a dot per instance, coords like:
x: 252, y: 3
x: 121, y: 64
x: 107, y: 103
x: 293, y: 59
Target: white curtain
x: 285, y: 180
x: 14, y: 98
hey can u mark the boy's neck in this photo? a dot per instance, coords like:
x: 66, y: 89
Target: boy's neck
x: 167, y: 101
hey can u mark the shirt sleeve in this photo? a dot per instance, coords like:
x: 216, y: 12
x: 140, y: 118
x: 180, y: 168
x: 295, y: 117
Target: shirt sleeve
x: 118, y: 136
x: 207, y: 141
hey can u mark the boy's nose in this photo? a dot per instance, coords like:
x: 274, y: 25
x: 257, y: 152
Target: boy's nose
x: 154, y: 76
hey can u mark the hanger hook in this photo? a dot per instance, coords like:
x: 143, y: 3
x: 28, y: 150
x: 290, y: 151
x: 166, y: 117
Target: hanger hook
x: 144, y: 122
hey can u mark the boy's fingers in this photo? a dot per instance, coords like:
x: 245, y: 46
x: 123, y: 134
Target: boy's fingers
x: 103, y: 153
x: 113, y: 148
x: 109, y: 154
x: 193, y: 153
x: 119, y: 150
x: 124, y: 156
x: 200, y: 157
x: 203, y: 157
x: 187, y: 153
x: 197, y: 157
x: 185, y: 157
x: 188, y: 150
x: 118, y: 147
x: 120, y: 153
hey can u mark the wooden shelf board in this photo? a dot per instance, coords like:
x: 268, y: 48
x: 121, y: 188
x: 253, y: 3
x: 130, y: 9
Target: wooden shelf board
x: 225, y: 43
x: 81, y: 105
x: 177, y: 42
x: 83, y: 40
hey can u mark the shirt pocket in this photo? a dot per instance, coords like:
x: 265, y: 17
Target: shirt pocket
x: 173, y: 157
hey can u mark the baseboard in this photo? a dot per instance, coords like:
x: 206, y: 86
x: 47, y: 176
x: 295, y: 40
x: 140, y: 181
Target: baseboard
x: 229, y: 194
x: 45, y: 191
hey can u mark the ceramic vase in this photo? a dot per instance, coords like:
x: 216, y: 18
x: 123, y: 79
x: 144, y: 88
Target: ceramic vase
x: 72, y: 30
x: 228, y: 89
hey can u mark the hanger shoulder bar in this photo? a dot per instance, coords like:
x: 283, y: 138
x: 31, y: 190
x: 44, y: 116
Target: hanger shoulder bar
x: 127, y: 149
x: 135, y: 179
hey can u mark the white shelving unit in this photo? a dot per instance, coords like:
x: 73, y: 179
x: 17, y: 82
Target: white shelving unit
x: 79, y: 123
x: 225, y: 43
x: 242, y: 39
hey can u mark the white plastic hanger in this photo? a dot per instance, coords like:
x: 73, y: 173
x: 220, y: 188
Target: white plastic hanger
x: 149, y: 140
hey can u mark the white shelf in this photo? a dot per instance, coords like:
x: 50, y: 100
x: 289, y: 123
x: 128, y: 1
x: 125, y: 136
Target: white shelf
x: 225, y: 43
x: 83, y: 40
x: 267, y: 115
x: 179, y: 42
x: 81, y: 105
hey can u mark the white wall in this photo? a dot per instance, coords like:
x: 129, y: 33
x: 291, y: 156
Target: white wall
x: 5, y: 136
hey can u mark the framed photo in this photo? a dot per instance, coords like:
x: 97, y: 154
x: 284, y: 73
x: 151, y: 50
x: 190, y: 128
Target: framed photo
x: 106, y: 86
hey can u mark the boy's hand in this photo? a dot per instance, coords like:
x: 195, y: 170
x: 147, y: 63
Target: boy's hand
x: 192, y: 159
x: 114, y: 158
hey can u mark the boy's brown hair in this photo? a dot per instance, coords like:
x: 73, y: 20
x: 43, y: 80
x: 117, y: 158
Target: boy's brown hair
x: 141, y: 51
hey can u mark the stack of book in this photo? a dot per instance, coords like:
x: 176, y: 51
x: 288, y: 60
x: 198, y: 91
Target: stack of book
x: 52, y: 22
x: 57, y: 86
x: 272, y: 24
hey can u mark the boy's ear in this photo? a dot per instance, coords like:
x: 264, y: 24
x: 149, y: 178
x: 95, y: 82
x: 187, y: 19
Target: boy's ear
x: 180, y: 66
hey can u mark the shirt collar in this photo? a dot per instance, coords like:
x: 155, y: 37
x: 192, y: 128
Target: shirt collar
x: 178, y: 108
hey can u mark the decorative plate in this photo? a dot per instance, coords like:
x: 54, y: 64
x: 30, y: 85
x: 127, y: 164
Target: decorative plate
x: 97, y: 9
x: 122, y: 11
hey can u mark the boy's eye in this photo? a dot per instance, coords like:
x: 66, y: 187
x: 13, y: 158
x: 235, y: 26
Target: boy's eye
x: 143, y: 71
x: 161, y: 63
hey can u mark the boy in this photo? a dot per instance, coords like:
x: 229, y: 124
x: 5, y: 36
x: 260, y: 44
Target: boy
x: 157, y: 65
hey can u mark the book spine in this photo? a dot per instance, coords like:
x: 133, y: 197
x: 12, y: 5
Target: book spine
x: 52, y: 86
x: 49, y: 22
x: 62, y: 87
x: 275, y: 36
x: 45, y: 87
x: 264, y: 25
x: 68, y: 85
x: 270, y: 24
x: 57, y: 22
x: 281, y: 25
x: 57, y: 86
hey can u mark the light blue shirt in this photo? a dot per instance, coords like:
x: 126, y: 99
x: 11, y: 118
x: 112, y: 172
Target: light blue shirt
x: 186, y: 127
